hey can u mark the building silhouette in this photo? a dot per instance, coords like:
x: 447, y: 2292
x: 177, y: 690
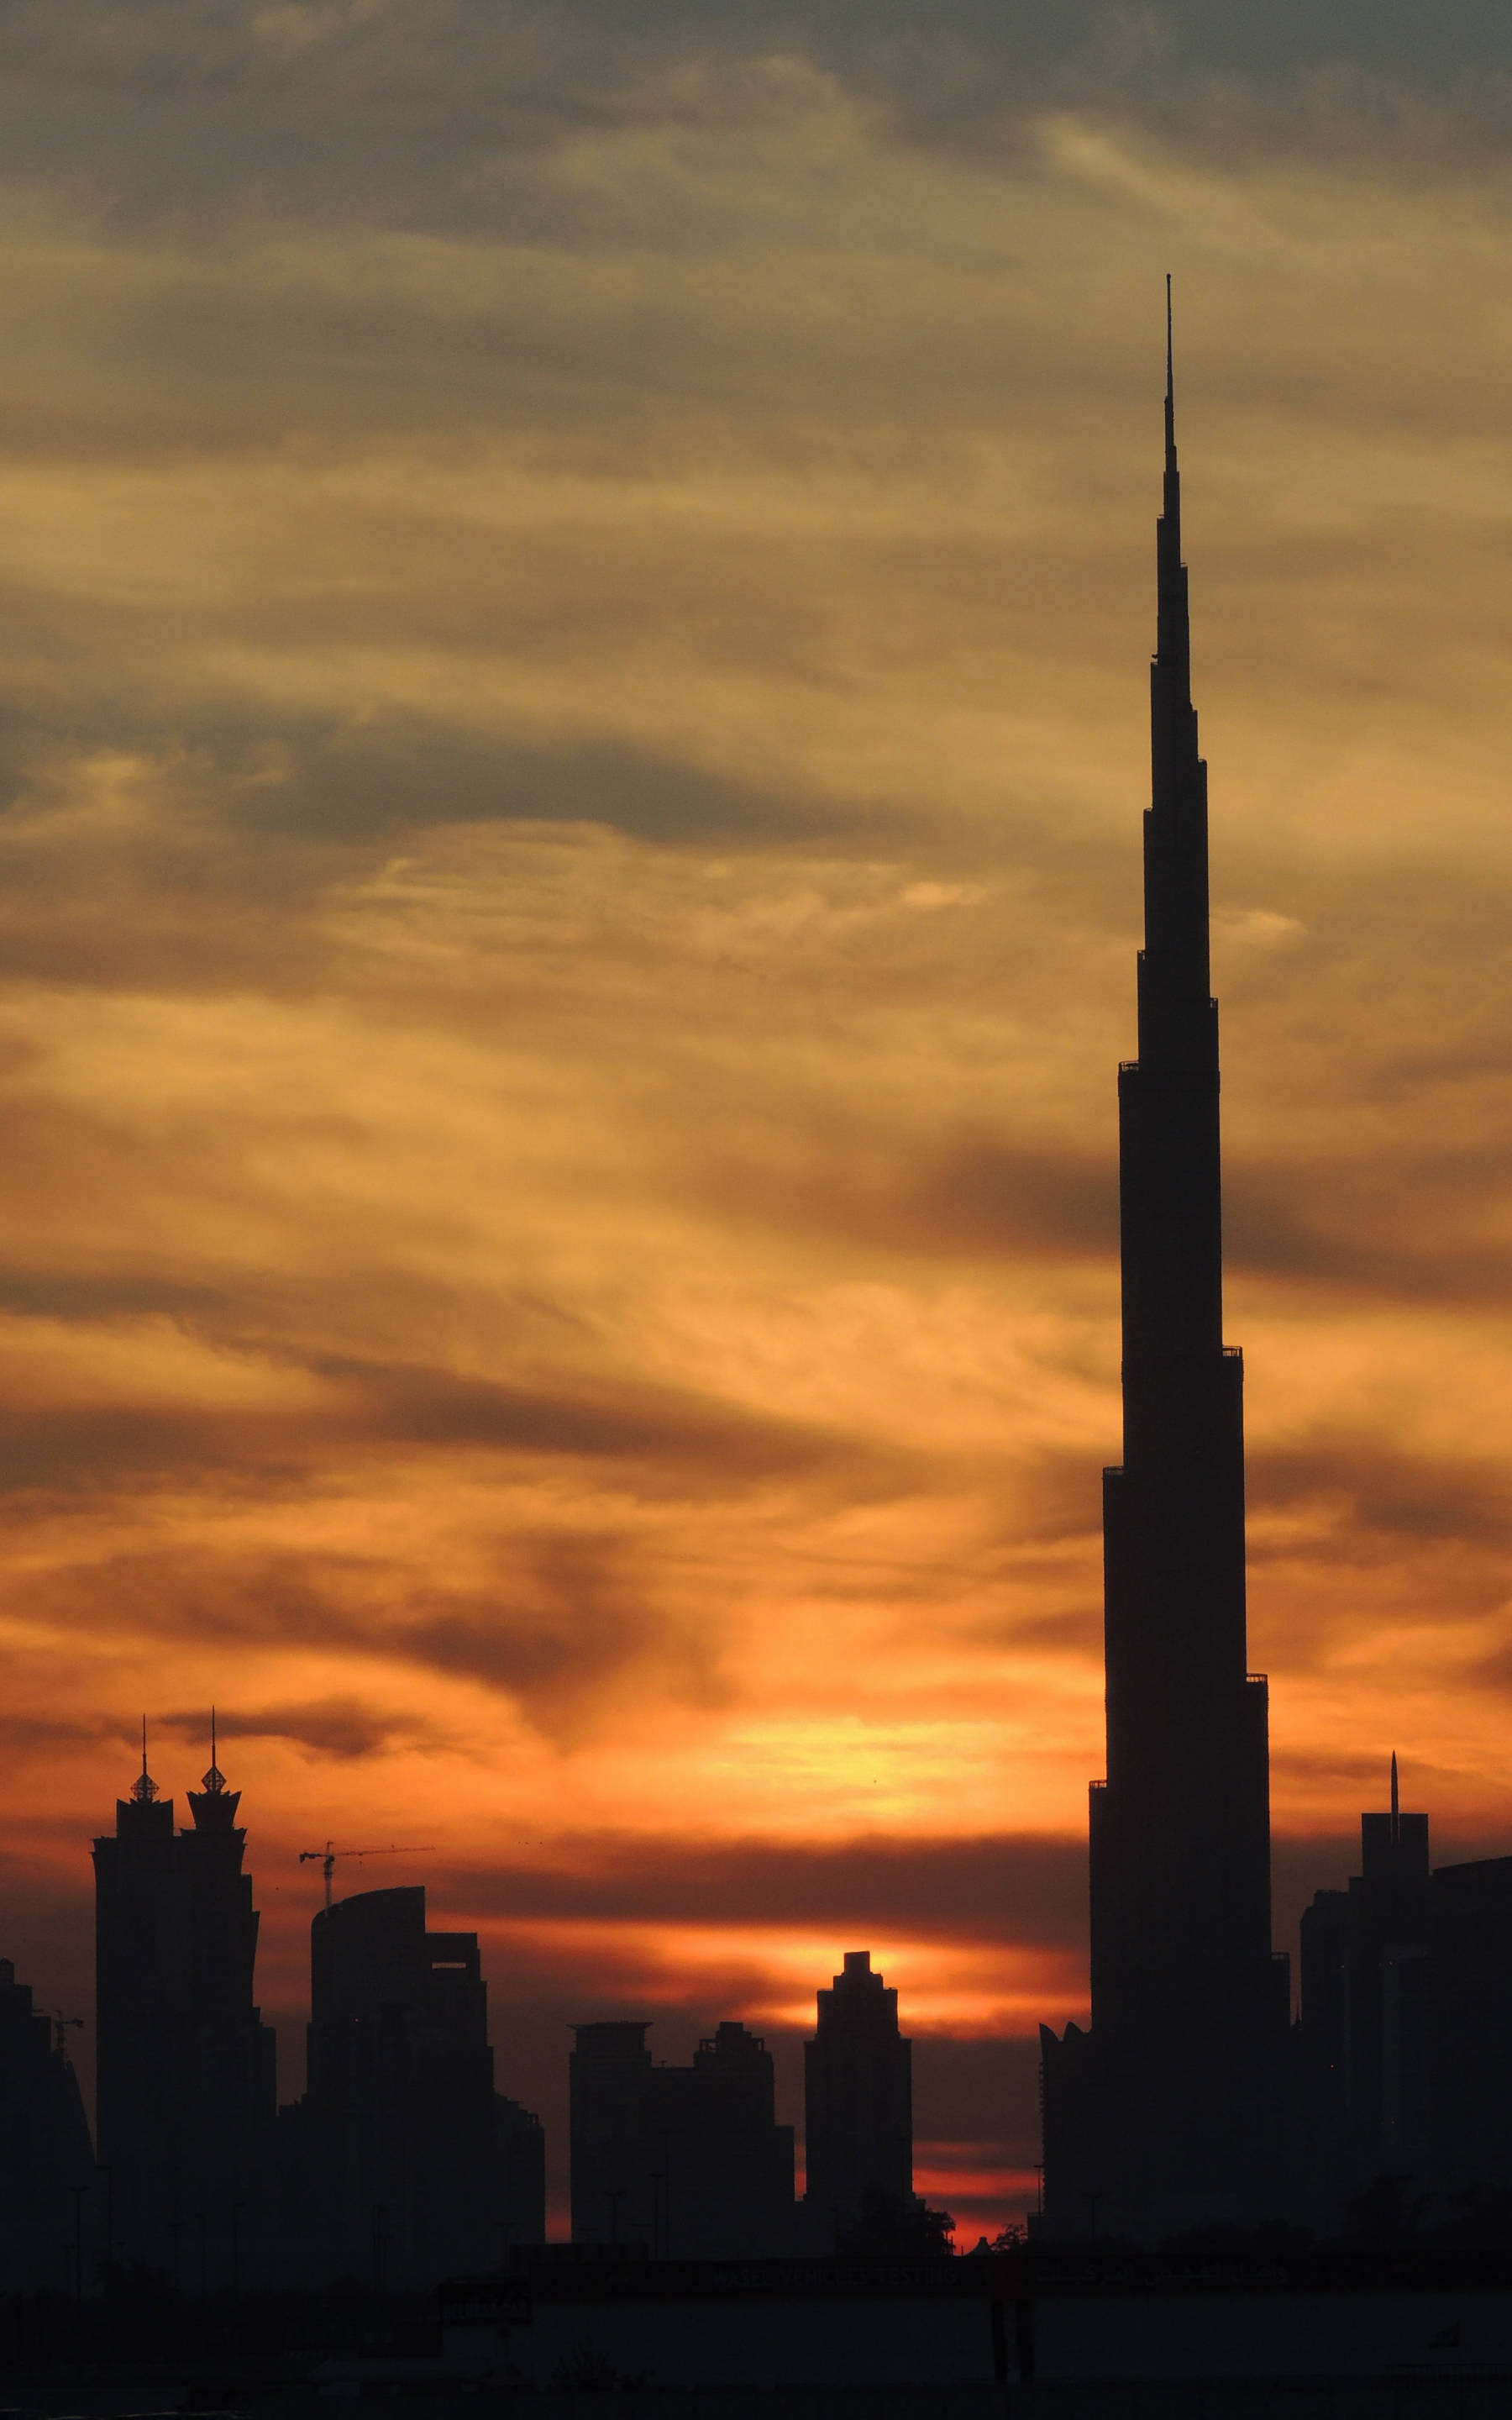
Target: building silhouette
x: 186, y: 2075
x: 403, y: 2165
x: 612, y: 2147
x: 1406, y: 2018
x: 1166, y: 2113
x: 858, y: 2098
x: 46, y: 2157
x: 688, y: 2161
x: 727, y: 2187
x: 519, y: 2154
x: 1363, y: 2042
x: 1467, y: 2092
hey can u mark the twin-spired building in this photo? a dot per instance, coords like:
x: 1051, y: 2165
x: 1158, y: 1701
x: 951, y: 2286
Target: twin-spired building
x: 186, y: 2076
x: 399, y: 2163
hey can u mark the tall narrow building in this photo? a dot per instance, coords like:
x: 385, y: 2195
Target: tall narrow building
x: 185, y: 2083
x: 858, y: 2098
x: 1162, y: 2115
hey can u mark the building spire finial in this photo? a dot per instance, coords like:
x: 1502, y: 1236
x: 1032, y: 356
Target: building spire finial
x: 1170, y: 383
x: 144, y: 1789
x: 214, y: 1780
x: 1173, y: 636
x: 1395, y: 1810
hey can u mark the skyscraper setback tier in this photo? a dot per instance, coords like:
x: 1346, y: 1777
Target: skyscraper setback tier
x: 1165, y: 2112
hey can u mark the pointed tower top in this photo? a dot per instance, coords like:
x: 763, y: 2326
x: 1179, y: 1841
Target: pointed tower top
x: 144, y: 1789
x: 214, y: 1781
x: 1173, y: 643
x: 1396, y: 1804
x: 1170, y: 383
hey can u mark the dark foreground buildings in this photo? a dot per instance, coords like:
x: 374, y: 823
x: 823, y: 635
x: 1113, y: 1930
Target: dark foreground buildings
x: 689, y: 2161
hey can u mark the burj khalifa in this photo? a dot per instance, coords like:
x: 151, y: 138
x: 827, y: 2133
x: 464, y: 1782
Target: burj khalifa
x: 1163, y: 2115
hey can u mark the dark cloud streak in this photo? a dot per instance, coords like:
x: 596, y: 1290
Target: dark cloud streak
x: 409, y: 1407
x: 997, y: 1887
x: 220, y: 79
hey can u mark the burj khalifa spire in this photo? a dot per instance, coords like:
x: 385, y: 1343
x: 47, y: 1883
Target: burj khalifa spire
x: 1161, y: 2113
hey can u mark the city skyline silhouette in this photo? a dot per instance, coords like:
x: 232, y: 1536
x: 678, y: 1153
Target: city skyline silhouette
x: 1202, y: 2096
x: 573, y: 721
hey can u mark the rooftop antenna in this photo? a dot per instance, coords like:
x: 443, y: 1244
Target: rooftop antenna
x: 144, y: 1789
x: 1396, y: 1816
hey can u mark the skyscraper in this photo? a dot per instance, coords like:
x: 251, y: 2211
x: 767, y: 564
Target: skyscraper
x: 859, y: 2096
x: 228, y: 2085
x: 731, y: 2193
x: 614, y: 2147
x: 1164, y: 2111
x: 408, y: 2165
x: 186, y: 2066
x: 1365, y: 2020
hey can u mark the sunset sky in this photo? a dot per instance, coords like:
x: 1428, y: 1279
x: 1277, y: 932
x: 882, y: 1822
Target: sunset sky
x: 576, y: 585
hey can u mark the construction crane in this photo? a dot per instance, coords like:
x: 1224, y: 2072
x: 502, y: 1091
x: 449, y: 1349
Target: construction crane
x: 326, y: 1857
x: 60, y: 2027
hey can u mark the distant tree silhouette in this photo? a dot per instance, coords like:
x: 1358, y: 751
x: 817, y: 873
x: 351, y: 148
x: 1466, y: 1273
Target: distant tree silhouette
x: 1008, y: 2239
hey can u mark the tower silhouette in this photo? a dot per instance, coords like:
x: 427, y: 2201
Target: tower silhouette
x: 186, y: 2080
x: 1163, y: 2112
x: 858, y: 2095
